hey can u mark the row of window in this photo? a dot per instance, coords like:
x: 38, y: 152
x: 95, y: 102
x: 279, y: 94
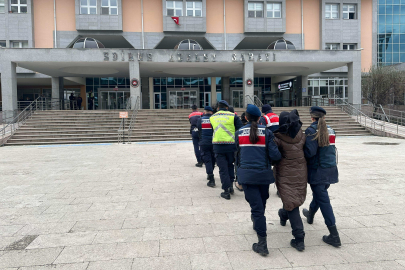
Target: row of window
x: 336, y: 46
x: 332, y: 11
x: 16, y: 6
x: 14, y: 44
x: 108, y: 7
x: 175, y: 8
x: 255, y: 10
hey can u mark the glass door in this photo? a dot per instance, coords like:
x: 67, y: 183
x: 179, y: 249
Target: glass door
x: 237, y: 98
x: 182, y: 99
x: 179, y: 101
x: 157, y: 101
x: 207, y: 99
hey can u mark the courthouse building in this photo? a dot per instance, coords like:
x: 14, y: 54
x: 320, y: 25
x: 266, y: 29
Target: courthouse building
x: 173, y: 54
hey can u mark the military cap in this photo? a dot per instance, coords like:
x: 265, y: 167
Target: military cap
x: 253, y: 110
x: 266, y: 108
x: 317, y: 109
x: 208, y: 108
x: 224, y: 103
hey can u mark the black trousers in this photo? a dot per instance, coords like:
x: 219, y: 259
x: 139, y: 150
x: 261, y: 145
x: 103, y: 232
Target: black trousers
x: 208, y: 157
x: 295, y: 221
x: 226, y: 168
x: 320, y: 199
x: 196, y: 144
x: 256, y: 196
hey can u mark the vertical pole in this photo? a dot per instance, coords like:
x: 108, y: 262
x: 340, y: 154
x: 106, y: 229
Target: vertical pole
x: 213, y: 91
x: 225, y: 46
x: 123, y: 131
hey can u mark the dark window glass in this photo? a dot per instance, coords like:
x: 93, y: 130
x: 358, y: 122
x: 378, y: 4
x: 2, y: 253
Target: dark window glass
x: 91, y: 44
x: 156, y: 89
x: 96, y: 81
x: 156, y: 81
x: 89, y: 81
x: 163, y: 89
x: 100, y: 45
x: 290, y: 47
x: 170, y: 81
x: 79, y: 44
x: 280, y: 46
x: 178, y: 82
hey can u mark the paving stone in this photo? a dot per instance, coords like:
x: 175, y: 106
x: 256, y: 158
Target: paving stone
x: 227, y: 243
x: 312, y: 256
x: 210, y: 261
x: 384, y: 265
x: 118, y: 236
x: 250, y: 260
x: 181, y: 262
x: 69, y: 266
x: 157, y: 233
x: 369, y: 234
x: 20, y: 258
x: 137, y: 250
x: 99, y: 252
x: 125, y: 264
x: 61, y: 240
x: 181, y: 246
x: 97, y: 225
x: 10, y: 230
x: 48, y: 228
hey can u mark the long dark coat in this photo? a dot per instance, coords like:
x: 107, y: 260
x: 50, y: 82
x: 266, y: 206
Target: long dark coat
x: 291, y: 171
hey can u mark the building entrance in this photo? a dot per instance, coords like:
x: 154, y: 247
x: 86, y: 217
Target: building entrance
x: 114, y: 100
x: 237, y: 98
x: 182, y: 99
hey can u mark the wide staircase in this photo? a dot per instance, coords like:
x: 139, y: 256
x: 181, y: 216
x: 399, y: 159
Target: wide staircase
x: 81, y: 127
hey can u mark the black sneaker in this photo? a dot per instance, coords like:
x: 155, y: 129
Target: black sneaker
x: 298, y: 244
x: 226, y: 195
x: 199, y: 164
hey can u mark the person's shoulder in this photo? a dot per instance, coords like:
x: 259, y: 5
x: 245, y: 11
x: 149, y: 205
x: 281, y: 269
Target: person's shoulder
x: 310, y: 130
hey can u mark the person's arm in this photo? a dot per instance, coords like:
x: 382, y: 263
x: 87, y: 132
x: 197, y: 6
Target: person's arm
x: 237, y: 148
x: 262, y: 121
x: 274, y: 153
x: 311, y: 145
x: 199, y: 128
x: 237, y: 122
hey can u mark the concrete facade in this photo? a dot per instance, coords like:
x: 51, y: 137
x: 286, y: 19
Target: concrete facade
x: 98, y: 21
x: 340, y: 31
x: 17, y: 26
x: 264, y: 24
x: 187, y: 23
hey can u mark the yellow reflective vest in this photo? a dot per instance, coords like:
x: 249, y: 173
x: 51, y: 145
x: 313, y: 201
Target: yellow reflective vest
x: 223, y: 124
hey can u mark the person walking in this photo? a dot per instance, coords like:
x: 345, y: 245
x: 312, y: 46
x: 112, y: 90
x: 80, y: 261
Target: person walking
x: 320, y: 152
x: 79, y: 102
x: 193, y: 118
x: 90, y: 100
x: 269, y: 119
x: 225, y: 124
x: 256, y: 150
x: 205, y: 133
x: 291, y: 183
x: 72, y: 99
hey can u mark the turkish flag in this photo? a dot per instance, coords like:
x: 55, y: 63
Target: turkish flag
x: 176, y: 20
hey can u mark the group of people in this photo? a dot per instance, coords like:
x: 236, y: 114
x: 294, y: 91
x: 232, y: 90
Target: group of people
x: 75, y: 102
x: 267, y: 149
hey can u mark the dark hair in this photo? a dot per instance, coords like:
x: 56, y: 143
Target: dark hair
x: 231, y: 109
x: 222, y: 106
x: 253, y: 137
x: 322, y: 134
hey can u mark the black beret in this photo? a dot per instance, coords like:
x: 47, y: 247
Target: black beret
x: 317, y: 109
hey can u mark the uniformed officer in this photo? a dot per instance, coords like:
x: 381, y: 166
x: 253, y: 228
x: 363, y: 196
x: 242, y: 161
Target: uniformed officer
x: 320, y: 152
x: 224, y: 124
x: 256, y: 151
x: 269, y: 119
x: 193, y: 118
x: 207, y: 153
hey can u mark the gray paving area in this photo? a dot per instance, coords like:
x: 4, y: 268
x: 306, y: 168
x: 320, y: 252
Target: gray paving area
x: 145, y: 206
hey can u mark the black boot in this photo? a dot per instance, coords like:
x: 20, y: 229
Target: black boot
x: 309, y: 214
x: 261, y: 246
x: 333, y: 238
x: 199, y: 164
x: 231, y: 190
x: 208, y: 177
x: 226, y: 195
x: 283, y: 216
x: 298, y: 244
x: 211, y: 183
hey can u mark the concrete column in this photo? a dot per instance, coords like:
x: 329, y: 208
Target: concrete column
x: 213, y: 91
x: 134, y: 73
x: 302, y: 83
x: 354, y: 83
x: 226, y: 92
x: 248, y: 73
x: 57, y: 93
x: 151, y: 94
x: 9, y: 89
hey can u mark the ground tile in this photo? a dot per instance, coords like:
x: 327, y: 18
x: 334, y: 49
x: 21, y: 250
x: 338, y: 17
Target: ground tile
x: 19, y: 258
x: 384, y: 265
x: 373, y: 220
x: 316, y: 255
x: 9, y: 230
x: 48, y: 228
x: 117, y: 236
x: 100, y: 252
x: 226, y: 243
x: 181, y: 246
x: 157, y: 233
x: 369, y: 234
x: 190, y: 231
x: 208, y: 261
x: 60, y: 240
x: 137, y: 250
x: 97, y: 225
x: 399, y: 231
x: 181, y: 262
x: 401, y: 262
x: 69, y: 266
x: 249, y: 260
x: 125, y: 264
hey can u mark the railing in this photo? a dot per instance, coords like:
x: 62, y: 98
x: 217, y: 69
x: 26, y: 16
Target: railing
x: 12, y: 126
x: 121, y: 130
x: 254, y: 100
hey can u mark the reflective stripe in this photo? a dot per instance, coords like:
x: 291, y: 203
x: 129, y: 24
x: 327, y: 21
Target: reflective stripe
x: 273, y: 124
x: 227, y: 131
x: 195, y: 114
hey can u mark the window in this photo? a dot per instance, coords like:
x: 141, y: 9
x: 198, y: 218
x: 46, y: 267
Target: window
x: 109, y: 7
x: 19, y: 44
x: 174, y: 8
x: 332, y: 46
x: 332, y: 11
x: 88, y: 6
x: 255, y: 10
x: 18, y: 6
x: 349, y: 46
x: 2, y: 6
x: 2, y: 43
x: 274, y: 10
x: 194, y: 8
x: 349, y: 12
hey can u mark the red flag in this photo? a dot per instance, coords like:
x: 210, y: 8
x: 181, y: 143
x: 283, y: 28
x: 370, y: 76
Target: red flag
x: 176, y: 20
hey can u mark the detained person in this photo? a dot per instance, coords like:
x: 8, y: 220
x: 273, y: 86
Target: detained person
x: 193, y: 118
x: 320, y: 152
x: 256, y: 150
x: 291, y: 174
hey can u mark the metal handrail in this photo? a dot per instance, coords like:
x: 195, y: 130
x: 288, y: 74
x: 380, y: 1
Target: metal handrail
x: 254, y: 100
x: 10, y: 128
x: 133, y: 118
x: 386, y: 117
x: 121, y: 130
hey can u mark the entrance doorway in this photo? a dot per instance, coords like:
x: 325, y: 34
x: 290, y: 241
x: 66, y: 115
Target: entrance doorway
x: 207, y: 99
x: 182, y: 99
x: 237, y: 98
x: 114, y: 100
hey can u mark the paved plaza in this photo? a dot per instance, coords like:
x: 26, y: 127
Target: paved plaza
x: 146, y: 206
